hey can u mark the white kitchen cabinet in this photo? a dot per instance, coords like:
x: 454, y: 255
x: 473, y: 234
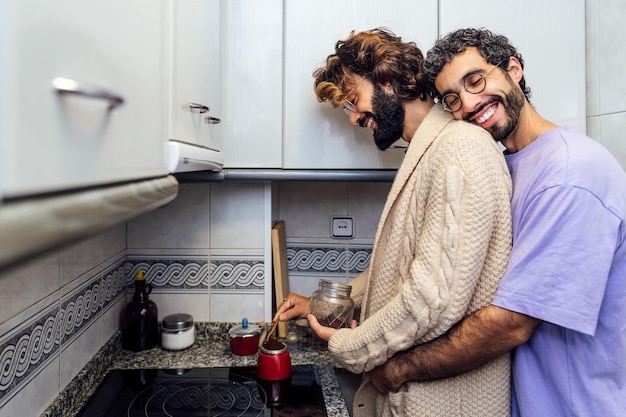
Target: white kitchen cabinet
x: 251, y: 71
x: 316, y: 135
x: 195, y: 88
x: 554, y: 55
x: 112, y: 53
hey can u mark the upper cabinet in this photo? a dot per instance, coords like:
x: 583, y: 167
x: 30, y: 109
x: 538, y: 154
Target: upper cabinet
x: 251, y: 68
x: 316, y: 135
x: 83, y: 99
x: 554, y: 55
x: 92, y: 92
x: 194, y: 71
x: 194, y: 85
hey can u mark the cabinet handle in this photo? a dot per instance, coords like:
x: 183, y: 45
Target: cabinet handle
x: 201, y: 108
x: 67, y: 86
x: 198, y: 108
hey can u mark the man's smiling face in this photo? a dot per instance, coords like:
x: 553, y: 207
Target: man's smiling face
x: 496, y: 108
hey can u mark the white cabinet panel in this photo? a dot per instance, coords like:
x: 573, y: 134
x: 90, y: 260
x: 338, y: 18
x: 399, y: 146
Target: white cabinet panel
x: 252, y: 78
x: 316, y: 135
x: 554, y: 54
x: 194, y: 71
x: 51, y: 141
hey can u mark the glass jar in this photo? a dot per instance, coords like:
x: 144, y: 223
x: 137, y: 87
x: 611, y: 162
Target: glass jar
x: 331, y: 304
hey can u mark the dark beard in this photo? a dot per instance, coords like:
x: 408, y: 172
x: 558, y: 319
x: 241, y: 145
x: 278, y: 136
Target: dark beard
x: 389, y: 118
x: 513, y: 103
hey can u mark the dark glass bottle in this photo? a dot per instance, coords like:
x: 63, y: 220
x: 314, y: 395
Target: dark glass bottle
x: 140, y: 329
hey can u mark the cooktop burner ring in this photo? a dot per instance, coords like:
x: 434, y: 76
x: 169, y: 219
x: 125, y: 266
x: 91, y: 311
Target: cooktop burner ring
x: 225, y: 391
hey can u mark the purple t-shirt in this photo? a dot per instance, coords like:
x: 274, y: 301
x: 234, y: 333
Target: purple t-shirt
x: 568, y: 268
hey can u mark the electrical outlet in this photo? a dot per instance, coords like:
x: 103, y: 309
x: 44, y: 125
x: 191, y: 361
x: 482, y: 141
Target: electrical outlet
x: 342, y: 227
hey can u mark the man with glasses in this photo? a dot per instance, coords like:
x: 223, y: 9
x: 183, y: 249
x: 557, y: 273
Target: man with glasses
x: 443, y: 239
x: 562, y: 303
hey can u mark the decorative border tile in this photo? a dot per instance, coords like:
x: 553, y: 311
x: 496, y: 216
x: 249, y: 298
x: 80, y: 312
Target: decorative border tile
x: 171, y: 273
x: 232, y: 275
x: 326, y: 259
x: 27, y: 349
x: 198, y: 274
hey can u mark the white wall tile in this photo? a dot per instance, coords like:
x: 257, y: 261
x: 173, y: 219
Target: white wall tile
x: 238, y: 216
x: 592, y: 52
x: 76, y: 354
x: 111, y: 318
x: 233, y: 307
x: 612, y: 55
x: 23, y: 286
x: 611, y: 135
x: 114, y: 241
x: 184, y: 223
x: 34, y: 398
x: 306, y: 207
x: 81, y: 257
x: 196, y: 304
x: 593, y: 127
x: 365, y: 204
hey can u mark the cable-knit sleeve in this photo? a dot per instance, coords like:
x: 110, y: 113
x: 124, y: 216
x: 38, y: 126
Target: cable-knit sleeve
x: 358, y: 287
x: 453, y: 252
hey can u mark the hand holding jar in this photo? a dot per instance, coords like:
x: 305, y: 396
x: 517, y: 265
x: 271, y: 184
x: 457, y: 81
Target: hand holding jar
x: 331, y: 304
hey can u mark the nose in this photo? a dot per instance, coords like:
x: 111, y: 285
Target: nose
x: 469, y: 101
x: 354, y: 117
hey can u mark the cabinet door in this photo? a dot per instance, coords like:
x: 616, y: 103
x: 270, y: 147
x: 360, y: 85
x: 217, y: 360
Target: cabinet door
x: 316, y: 135
x: 55, y: 141
x: 252, y: 79
x: 554, y: 55
x: 194, y: 72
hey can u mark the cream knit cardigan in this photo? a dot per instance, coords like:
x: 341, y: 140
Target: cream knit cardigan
x: 441, y: 247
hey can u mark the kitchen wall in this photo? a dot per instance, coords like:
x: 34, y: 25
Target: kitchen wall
x: 205, y: 253
x: 606, y: 84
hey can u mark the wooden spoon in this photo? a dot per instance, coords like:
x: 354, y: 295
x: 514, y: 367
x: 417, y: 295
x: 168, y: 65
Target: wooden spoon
x: 273, y: 328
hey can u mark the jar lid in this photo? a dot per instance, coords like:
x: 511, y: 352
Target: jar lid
x: 244, y: 329
x: 178, y: 321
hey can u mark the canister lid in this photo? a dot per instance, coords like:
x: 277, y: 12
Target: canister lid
x: 244, y: 329
x: 178, y: 321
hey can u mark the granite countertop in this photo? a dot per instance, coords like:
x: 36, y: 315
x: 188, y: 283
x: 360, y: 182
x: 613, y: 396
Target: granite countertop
x: 211, y: 348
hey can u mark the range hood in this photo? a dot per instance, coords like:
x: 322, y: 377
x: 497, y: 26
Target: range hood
x: 188, y: 157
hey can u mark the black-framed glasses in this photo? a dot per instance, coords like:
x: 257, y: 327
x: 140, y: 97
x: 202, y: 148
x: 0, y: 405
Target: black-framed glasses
x: 473, y: 84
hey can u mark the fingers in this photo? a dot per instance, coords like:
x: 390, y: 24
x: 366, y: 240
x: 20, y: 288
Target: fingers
x: 377, y: 379
x: 294, y: 306
x: 381, y: 381
x: 322, y: 332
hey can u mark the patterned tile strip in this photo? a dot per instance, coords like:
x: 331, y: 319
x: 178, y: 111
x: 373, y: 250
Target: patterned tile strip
x: 26, y: 350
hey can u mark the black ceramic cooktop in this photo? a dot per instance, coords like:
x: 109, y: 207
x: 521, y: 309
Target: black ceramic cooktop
x: 227, y: 391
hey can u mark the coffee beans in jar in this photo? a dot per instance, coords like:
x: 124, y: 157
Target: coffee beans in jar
x: 331, y: 304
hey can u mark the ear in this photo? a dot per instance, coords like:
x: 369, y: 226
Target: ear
x: 515, y: 69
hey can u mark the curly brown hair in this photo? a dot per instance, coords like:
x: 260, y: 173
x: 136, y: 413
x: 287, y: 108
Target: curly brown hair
x: 378, y: 55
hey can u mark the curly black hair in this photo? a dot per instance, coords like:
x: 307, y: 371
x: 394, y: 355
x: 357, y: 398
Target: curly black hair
x: 494, y: 48
x: 378, y: 55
